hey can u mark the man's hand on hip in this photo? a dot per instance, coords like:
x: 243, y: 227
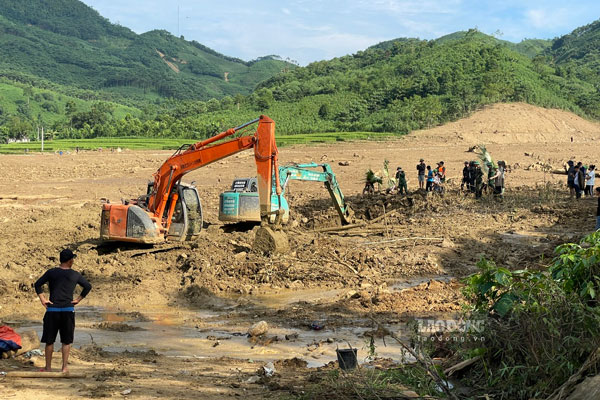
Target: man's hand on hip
x: 77, y: 300
x: 44, y: 301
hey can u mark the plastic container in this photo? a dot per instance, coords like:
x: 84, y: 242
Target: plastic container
x: 346, y: 358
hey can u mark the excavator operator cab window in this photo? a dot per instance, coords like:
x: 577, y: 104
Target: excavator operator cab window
x: 187, y: 215
x: 244, y: 185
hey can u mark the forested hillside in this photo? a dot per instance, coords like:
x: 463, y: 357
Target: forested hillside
x: 578, y: 54
x: 411, y: 84
x: 396, y: 86
x: 527, y: 47
x: 68, y: 43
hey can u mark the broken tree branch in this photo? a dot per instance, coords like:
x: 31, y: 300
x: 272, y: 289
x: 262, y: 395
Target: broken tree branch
x: 429, y: 367
x: 345, y: 264
x: 401, y: 240
x: 358, y: 225
x: 461, y: 365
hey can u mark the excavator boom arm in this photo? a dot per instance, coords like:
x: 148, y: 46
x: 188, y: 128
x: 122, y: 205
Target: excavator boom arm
x: 200, y: 154
x: 303, y: 172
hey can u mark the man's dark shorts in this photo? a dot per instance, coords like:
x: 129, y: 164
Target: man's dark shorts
x: 58, y: 321
x: 571, y: 184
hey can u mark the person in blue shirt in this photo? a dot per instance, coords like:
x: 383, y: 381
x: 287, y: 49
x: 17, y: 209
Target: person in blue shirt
x: 429, y: 186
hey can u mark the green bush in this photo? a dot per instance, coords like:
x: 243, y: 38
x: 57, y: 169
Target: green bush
x: 577, y: 268
x: 540, y: 326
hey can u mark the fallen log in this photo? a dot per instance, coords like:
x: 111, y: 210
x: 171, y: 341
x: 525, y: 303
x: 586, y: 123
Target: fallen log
x: 340, y: 228
x: 362, y: 232
x: 387, y: 214
x: 40, y: 374
x: 372, y: 229
x: 358, y: 225
x: 401, y: 240
x: 461, y: 365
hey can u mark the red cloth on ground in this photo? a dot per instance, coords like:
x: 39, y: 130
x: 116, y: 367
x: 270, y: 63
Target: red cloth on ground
x: 7, y: 333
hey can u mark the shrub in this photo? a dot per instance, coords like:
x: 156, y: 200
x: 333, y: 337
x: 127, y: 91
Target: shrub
x: 540, y: 327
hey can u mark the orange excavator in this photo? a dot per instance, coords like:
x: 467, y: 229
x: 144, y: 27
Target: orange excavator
x: 171, y: 210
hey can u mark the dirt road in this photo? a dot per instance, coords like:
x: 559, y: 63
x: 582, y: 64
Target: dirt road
x: 169, y: 321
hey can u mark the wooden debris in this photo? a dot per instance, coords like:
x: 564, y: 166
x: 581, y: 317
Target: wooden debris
x: 339, y: 228
x: 401, y: 240
x: 358, y: 225
x: 40, y: 374
x: 562, y: 392
x: 426, y: 363
x: 345, y: 264
x: 461, y: 365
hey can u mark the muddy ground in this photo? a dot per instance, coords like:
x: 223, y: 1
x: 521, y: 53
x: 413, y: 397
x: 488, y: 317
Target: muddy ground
x: 169, y: 321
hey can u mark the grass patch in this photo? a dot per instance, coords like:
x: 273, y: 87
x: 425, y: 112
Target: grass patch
x: 394, y: 383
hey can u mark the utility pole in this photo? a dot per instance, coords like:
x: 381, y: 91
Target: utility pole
x: 42, y: 139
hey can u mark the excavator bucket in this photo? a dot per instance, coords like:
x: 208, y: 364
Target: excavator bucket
x: 348, y: 216
x: 268, y: 241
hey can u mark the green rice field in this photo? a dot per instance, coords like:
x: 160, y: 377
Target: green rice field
x: 142, y: 143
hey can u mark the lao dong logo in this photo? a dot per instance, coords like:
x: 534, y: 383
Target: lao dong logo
x: 462, y: 330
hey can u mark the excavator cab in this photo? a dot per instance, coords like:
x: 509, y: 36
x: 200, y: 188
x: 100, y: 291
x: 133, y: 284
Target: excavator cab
x: 187, y: 220
x: 241, y: 203
x: 130, y: 222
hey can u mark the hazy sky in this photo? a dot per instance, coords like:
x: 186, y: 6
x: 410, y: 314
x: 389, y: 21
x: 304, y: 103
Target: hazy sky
x: 313, y: 30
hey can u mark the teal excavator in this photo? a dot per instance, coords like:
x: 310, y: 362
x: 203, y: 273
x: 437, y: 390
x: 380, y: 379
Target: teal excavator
x: 241, y: 203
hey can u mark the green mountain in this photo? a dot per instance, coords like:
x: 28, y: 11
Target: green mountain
x: 68, y: 43
x: 395, y: 86
x: 409, y: 84
x: 578, y: 53
x: 527, y: 47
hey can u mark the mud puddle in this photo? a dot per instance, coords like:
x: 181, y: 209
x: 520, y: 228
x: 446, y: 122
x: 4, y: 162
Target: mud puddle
x: 286, y: 297
x: 412, y: 282
x: 171, y: 336
x: 202, y: 333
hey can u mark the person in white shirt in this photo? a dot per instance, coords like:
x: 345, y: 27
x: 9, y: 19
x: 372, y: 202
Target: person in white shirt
x: 590, y: 180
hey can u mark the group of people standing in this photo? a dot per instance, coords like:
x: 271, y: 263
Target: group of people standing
x: 436, y: 178
x: 475, y: 182
x: 433, y: 180
x: 580, y: 179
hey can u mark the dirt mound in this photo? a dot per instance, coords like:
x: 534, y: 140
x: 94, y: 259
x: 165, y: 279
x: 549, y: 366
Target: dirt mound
x: 432, y: 296
x: 117, y: 327
x: 516, y: 123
